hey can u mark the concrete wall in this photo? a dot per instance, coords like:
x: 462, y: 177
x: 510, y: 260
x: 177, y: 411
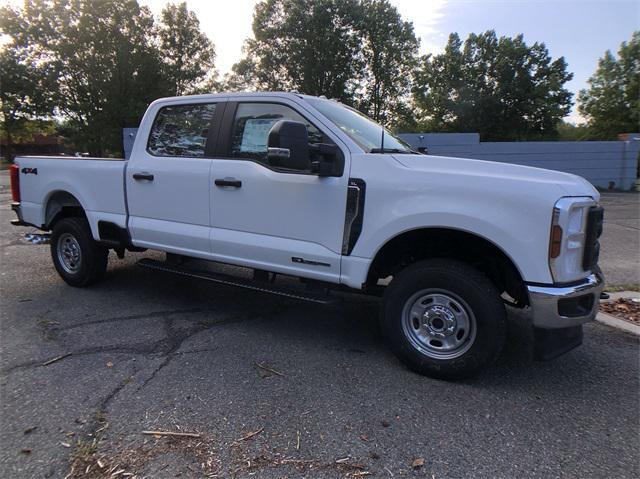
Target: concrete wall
x: 604, y: 163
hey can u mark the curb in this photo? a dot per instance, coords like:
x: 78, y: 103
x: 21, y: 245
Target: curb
x: 614, y: 322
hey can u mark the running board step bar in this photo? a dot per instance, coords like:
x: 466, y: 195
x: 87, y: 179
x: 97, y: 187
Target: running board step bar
x: 237, y: 282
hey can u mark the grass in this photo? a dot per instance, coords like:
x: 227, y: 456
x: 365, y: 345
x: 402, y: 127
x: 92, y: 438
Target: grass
x: 623, y: 287
x: 100, y: 416
x: 85, y: 450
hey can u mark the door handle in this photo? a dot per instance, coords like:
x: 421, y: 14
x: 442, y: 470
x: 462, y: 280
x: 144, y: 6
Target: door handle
x: 228, y: 182
x: 143, y: 176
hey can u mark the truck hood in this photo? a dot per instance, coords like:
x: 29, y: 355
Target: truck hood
x: 571, y: 185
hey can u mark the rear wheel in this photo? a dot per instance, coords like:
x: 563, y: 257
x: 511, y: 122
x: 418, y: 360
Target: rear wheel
x: 78, y: 258
x: 444, y: 319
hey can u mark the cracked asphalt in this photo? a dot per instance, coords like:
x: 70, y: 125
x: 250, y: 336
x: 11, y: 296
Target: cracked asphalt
x: 279, y: 388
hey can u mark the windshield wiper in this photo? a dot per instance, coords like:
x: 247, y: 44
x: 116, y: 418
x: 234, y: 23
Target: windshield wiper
x: 389, y: 150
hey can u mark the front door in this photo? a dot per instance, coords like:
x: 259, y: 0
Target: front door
x: 168, y: 189
x: 263, y: 217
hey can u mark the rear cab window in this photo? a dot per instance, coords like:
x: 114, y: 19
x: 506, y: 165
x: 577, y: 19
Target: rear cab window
x: 181, y: 130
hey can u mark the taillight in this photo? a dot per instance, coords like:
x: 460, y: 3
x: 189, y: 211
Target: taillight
x: 14, y: 171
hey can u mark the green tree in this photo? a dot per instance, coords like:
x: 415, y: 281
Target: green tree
x: 572, y: 132
x: 25, y: 97
x: 499, y: 87
x: 307, y: 45
x: 389, y: 48
x: 611, y: 104
x: 104, y: 58
x: 187, y: 52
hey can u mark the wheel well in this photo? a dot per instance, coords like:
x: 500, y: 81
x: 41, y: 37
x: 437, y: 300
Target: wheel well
x: 415, y: 245
x: 61, y: 205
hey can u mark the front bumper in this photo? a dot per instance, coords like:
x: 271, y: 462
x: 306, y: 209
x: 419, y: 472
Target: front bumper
x: 554, y: 307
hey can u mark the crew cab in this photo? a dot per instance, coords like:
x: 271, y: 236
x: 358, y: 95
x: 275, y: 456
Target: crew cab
x: 290, y: 185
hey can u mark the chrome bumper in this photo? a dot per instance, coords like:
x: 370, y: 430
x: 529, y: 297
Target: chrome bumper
x: 554, y: 307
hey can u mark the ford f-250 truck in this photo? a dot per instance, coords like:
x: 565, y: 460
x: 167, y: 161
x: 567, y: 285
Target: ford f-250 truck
x: 288, y: 184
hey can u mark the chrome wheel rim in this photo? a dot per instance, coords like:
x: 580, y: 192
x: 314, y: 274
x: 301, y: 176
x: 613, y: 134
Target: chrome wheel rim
x: 439, y: 323
x: 69, y: 253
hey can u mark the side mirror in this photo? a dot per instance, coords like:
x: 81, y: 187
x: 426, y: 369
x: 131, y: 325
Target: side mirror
x: 288, y: 145
x: 329, y: 161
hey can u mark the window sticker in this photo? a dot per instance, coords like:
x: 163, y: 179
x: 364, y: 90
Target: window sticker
x: 254, y: 136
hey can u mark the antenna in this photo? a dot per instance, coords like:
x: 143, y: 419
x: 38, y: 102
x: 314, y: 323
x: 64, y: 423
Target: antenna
x: 382, y: 141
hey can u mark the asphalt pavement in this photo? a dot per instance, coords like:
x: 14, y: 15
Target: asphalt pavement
x: 278, y: 388
x: 620, y: 252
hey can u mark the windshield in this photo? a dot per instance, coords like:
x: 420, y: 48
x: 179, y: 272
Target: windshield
x: 360, y: 128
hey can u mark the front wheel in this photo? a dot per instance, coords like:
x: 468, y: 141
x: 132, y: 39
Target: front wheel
x: 77, y: 257
x: 444, y: 319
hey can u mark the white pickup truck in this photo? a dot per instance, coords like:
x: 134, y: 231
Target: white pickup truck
x: 294, y: 185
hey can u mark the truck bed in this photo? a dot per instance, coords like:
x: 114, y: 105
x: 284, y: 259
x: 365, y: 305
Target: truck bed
x: 96, y: 183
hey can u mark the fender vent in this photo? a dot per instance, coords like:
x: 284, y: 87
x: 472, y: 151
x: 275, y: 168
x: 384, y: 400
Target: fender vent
x: 354, y: 214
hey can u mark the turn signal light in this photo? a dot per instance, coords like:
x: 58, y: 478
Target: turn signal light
x: 555, y: 245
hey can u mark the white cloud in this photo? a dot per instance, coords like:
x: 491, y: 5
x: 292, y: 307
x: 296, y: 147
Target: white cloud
x: 575, y: 117
x: 226, y: 23
x: 427, y: 16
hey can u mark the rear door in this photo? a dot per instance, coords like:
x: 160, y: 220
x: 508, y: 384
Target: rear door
x: 286, y: 221
x: 167, y: 180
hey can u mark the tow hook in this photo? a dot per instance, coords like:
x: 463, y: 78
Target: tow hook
x: 36, y: 238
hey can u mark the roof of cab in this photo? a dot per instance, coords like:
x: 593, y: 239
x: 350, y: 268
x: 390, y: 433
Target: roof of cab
x: 206, y: 96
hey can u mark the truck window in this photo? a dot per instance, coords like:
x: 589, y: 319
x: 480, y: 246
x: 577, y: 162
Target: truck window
x: 251, y: 127
x: 181, y: 130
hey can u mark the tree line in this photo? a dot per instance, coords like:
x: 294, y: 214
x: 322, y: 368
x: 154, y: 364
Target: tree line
x: 88, y: 68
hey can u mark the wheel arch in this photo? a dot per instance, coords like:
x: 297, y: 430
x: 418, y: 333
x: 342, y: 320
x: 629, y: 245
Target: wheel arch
x: 61, y: 204
x: 445, y: 242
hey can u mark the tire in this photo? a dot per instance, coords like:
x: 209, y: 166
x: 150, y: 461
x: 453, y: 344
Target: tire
x: 443, y: 319
x: 78, y: 258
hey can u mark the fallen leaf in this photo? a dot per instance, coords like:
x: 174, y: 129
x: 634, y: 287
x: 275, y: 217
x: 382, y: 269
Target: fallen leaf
x: 364, y: 438
x: 109, y: 364
x: 30, y: 429
x: 418, y: 463
x: 25, y: 450
x: 66, y: 444
x: 386, y: 424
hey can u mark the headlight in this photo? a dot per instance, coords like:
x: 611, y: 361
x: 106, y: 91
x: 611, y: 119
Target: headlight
x: 567, y: 242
